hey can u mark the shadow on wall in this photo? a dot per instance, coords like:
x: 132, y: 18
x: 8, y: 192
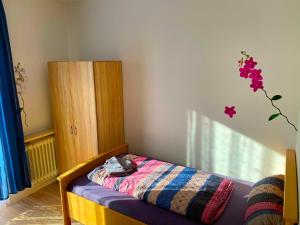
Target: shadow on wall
x: 214, y: 147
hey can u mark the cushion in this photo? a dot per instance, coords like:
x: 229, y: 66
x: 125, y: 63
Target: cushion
x: 265, y: 202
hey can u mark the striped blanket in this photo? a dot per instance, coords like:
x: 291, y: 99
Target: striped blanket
x: 195, y: 194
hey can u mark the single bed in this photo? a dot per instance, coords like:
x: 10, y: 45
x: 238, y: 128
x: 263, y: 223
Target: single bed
x: 90, y: 203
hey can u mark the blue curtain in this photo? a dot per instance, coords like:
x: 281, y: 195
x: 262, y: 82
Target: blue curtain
x: 14, y: 172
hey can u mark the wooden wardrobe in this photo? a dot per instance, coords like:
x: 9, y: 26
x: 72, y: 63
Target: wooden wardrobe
x: 87, y: 106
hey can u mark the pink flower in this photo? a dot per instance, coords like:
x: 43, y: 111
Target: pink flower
x: 230, y: 111
x: 249, y: 71
x: 256, y: 84
x: 256, y: 74
x: 250, y: 63
x: 245, y: 71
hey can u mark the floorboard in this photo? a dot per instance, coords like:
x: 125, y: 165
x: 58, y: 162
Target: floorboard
x: 42, y: 207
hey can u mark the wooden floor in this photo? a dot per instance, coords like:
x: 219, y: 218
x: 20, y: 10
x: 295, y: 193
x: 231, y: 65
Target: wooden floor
x: 42, y: 207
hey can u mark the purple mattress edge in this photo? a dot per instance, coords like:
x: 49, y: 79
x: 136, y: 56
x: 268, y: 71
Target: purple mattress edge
x: 152, y: 215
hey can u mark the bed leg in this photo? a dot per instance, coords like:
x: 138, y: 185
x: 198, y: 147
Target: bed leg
x: 64, y: 203
x: 67, y: 220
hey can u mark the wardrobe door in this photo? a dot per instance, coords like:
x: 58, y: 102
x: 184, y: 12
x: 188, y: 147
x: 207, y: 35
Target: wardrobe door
x: 62, y: 115
x: 84, y: 110
x: 109, y: 103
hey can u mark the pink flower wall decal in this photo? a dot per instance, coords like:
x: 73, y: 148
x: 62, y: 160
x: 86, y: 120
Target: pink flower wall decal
x: 255, y: 74
x: 248, y: 70
x: 250, y: 63
x: 230, y: 111
x: 244, y: 72
x: 256, y: 84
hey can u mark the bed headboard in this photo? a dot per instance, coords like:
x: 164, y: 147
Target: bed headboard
x: 290, y: 205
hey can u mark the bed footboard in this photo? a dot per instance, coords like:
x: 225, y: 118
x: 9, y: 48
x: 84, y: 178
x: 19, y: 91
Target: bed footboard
x: 90, y: 213
x: 68, y: 202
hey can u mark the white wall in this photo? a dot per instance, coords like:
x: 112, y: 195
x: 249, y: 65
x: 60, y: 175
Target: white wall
x: 38, y: 34
x: 180, y: 70
x: 298, y: 159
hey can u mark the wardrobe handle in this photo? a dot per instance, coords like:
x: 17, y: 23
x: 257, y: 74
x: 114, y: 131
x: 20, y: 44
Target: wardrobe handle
x: 72, y: 129
x: 75, y: 130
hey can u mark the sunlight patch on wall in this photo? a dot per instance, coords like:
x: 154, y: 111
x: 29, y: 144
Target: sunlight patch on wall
x: 214, y: 147
x: 191, y: 135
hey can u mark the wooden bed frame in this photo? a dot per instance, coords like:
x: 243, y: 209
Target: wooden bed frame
x: 91, y: 213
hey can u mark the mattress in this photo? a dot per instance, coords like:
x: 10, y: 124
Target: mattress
x: 152, y: 215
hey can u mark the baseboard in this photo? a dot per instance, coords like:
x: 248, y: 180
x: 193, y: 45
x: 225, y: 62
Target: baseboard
x: 28, y: 191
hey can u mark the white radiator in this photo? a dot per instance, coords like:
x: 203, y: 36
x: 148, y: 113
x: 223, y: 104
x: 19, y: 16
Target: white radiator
x: 41, y: 159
